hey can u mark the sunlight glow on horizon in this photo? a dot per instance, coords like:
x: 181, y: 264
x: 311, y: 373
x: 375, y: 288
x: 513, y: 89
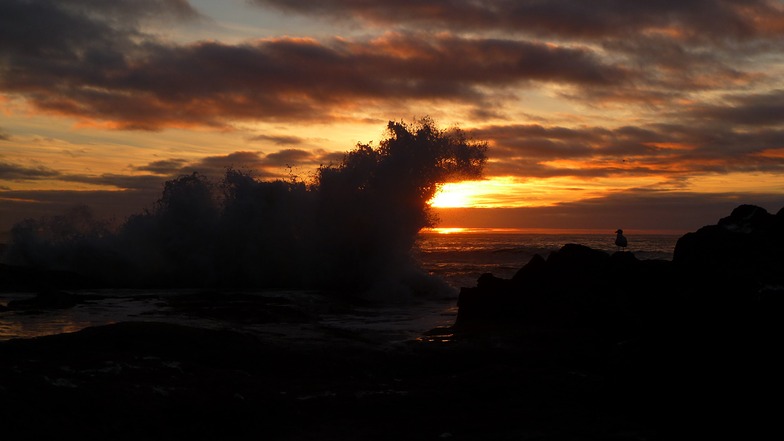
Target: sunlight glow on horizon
x: 546, y: 231
x: 516, y: 192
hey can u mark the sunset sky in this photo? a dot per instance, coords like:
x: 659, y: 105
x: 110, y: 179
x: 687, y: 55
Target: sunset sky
x: 657, y: 115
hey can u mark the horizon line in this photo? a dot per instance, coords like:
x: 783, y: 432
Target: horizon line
x: 547, y: 231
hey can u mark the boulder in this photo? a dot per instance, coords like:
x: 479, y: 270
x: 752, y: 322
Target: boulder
x: 748, y: 244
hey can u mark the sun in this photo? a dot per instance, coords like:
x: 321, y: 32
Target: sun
x: 451, y: 195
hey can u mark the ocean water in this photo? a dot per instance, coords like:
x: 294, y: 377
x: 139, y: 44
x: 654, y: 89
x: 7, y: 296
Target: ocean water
x: 458, y: 258
x: 461, y: 257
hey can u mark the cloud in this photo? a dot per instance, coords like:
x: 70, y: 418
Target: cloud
x: 688, y: 77
x: 89, y: 66
x: 218, y: 164
x: 279, y: 139
x: 290, y: 157
x: 97, y: 62
x: 15, y: 172
x: 714, y: 145
x: 164, y: 166
x: 666, y: 49
x: 263, y: 166
x: 122, y: 182
x: 717, y: 19
x: 4, y: 136
x: 19, y: 173
x: 756, y: 110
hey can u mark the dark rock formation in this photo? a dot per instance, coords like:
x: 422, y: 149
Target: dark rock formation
x: 573, y: 286
x: 696, y: 335
x: 749, y: 243
x: 726, y: 266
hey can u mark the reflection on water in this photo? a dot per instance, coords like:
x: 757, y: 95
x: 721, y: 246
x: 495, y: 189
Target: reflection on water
x: 462, y: 256
x: 386, y: 323
x: 109, y: 307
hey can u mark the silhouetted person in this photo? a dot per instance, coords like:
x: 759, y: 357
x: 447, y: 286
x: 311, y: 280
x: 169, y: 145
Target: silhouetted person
x: 620, y: 239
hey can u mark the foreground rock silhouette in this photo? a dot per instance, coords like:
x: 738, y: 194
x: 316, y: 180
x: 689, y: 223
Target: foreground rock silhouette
x: 692, y: 342
x: 578, y: 345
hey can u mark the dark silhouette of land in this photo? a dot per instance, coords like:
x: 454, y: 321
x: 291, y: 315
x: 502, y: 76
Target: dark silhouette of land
x: 577, y: 345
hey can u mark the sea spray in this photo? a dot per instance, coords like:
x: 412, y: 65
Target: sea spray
x: 351, y: 228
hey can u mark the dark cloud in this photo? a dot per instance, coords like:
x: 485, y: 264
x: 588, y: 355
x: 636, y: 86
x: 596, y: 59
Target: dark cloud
x: 536, y: 141
x: 747, y: 110
x: 290, y: 157
x: 135, y: 9
x: 88, y: 66
x: 123, y: 182
x: 666, y: 49
x: 713, y: 146
x: 14, y: 172
x: 715, y: 19
x: 164, y: 166
x: 279, y: 139
x: 92, y: 60
x: 218, y: 164
x: 4, y: 136
x: 261, y: 165
x: 57, y: 33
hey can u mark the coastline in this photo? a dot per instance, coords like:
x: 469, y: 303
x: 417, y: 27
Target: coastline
x: 580, y: 345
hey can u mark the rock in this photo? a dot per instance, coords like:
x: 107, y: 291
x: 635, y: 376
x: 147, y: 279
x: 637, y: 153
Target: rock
x: 747, y: 219
x: 748, y: 244
x: 562, y: 290
x: 696, y: 336
x: 530, y: 270
x: 578, y: 260
x: 490, y: 281
x: 715, y: 278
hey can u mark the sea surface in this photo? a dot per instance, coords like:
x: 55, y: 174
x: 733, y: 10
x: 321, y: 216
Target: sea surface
x: 461, y: 257
x: 458, y: 258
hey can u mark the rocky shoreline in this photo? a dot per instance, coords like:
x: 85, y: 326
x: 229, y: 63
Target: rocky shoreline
x: 578, y: 345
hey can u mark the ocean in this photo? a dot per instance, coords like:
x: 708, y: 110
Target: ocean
x: 458, y: 257
x: 461, y: 256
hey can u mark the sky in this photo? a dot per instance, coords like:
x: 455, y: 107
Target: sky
x: 605, y: 114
